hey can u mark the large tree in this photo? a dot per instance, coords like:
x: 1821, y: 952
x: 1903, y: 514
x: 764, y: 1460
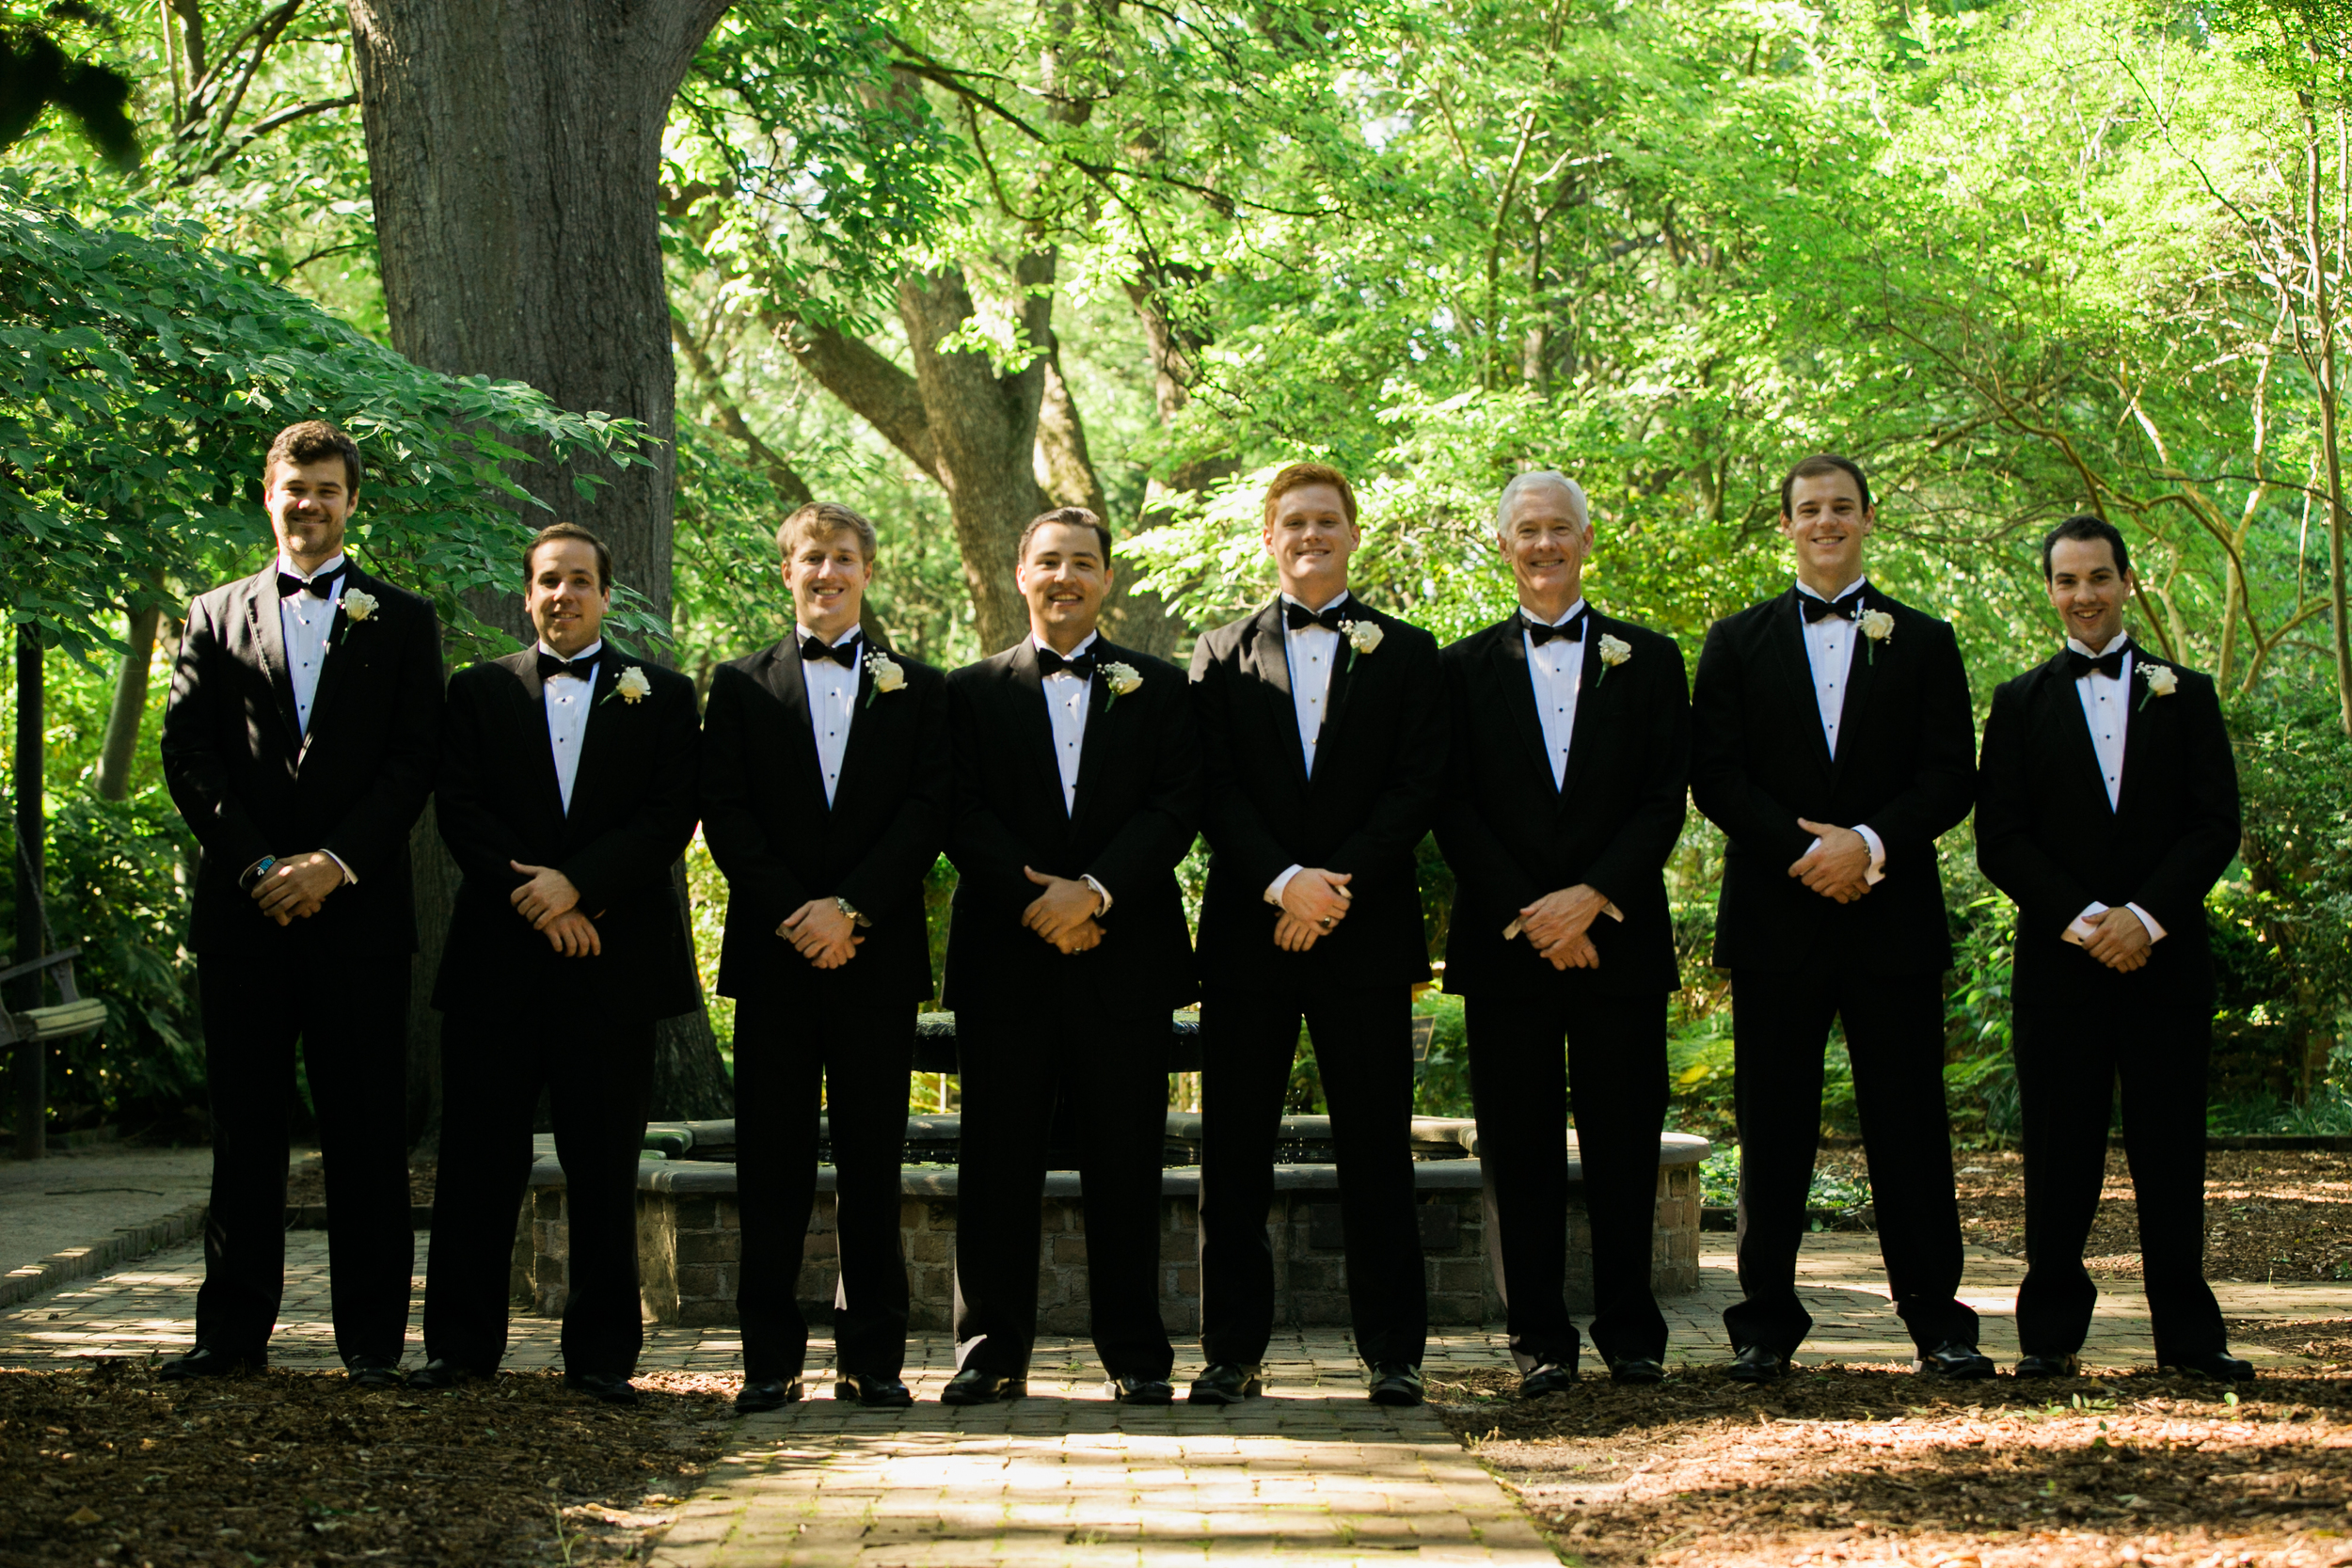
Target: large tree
x: 513, y: 153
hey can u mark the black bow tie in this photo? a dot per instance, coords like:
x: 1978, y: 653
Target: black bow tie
x: 843, y: 654
x: 1051, y: 663
x: 1539, y: 633
x: 1332, y: 617
x: 322, y: 585
x: 1844, y: 609
x: 2109, y: 664
x: 584, y: 667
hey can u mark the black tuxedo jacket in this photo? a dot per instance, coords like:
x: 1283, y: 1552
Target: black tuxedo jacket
x: 1511, y: 837
x: 1139, y: 806
x: 632, y: 816
x: 1378, y: 768
x: 1905, y: 768
x: 780, y: 844
x: 2046, y: 836
x: 251, y: 784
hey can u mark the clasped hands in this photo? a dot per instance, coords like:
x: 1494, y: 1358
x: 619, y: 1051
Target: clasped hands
x: 1559, y: 925
x: 1064, y: 913
x: 821, y: 932
x: 1838, y: 866
x: 551, y: 904
x: 1314, y: 901
x: 295, y: 888
x: 2120, y: 941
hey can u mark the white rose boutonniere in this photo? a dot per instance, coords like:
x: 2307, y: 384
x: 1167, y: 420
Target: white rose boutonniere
x: 1121, y: 679
x: 358, y: 605
x: 1878, y: 625
x: 1363, y: 636
x: 632, y: 687
x: 889, y: 674
x: 2162, y: 681
x: 1614, y: 652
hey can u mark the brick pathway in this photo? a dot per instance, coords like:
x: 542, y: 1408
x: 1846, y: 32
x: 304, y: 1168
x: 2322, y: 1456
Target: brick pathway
x: 1312, y: 1471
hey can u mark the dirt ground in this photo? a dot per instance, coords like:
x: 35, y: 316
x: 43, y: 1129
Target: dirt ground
x: 109, y: 1466
x: 2269, y: 1215
x: 1860, y: 1464
x: 307, y: 1183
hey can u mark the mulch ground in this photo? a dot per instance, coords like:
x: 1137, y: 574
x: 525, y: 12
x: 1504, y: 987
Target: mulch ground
x: 1859, y: 1463
x: 111, y: 1465
x: 2269, y: 1215
x: 307, y: 1183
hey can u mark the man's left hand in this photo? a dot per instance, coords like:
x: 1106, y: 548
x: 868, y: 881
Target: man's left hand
x: 1839, y: 867
x: 1061, y: 909
x: 1574, y: 952
x: 296, y: 887
x: 548, y: 894
x: 2119, y: 939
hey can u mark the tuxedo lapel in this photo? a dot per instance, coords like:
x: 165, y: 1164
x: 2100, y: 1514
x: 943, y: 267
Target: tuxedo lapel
x: 1515, y: 683
x: 596, y: 735
x: 863, y: 711
x: 1269, y: 659
x: 338, y: 659
x: 1786, y: 632
x: 1587, y: 706
x: 784, y: 678
x: 1027, y: 687
x: 268, y: 630
x: 530, y: 718
x: 1342, y: 680
x: 2138, y: 732
x: 1095, y: 739
x: 2061, y: 712
x: 1861, y: 676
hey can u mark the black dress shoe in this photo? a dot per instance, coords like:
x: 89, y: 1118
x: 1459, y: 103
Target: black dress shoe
x: 2046, y: 1366
x: 1141, y: 1390
x: 1226, y: 1383
x: 1956, y: 1360
x: 772, y: 1393
x: 441, y: 1374
x: 368, y: 1373
x: 874, y: 1390
x: 1637, y: 1369
x: 2217, y: 1364
x: 205, y: 1362
x: 612, y: 1387
x: 1394, y: 1383
x: 1755, y: 1364
x: 1549, y: 1377
x: 973, y: 1386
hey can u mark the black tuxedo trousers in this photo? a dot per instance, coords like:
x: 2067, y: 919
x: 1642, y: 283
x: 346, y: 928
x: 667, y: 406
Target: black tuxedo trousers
x: 856, y: 1049
x: 1895, y: 1036
x: 1615, y: 1084
x: 597, y: 1072
x: 2068, y: 1062
x: 1014, y: 1072
x: 353, y: 1036
x: 1363, y: 1040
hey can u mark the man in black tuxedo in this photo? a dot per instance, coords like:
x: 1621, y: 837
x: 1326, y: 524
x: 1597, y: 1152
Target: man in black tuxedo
x: 1834, y: 745
x: 1565, y: 795
x: 2108, y: 808
x: 825, y: 784
x: 1324, y: 749
x: 566, y: 796
x: 1077, y: 791
x: 299, y: 745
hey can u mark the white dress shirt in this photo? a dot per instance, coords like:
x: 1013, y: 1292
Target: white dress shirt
x: 831, y: 705
x: 1067, y: 698
x: 2107, y: 712
x: 306, y: 620
x: 569, y: 700
x: 1313, y: 653
x: 1556, y: 671
x: 1829, y: 649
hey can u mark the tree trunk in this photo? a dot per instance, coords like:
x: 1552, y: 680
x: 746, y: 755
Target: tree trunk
x: 513, y: 155
x: 121, y: 746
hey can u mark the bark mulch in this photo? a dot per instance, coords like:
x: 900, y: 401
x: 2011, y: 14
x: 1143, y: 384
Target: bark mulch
x: 1869, y: 1464
x: 110, y: 1466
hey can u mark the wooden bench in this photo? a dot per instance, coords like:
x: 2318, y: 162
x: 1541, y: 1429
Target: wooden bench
x: 74, y: 1016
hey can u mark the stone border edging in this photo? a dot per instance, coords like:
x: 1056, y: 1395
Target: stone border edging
x: 128, y: 1243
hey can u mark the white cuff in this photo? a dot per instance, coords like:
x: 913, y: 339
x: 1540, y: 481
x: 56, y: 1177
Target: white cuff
x: 1100, y: 892
x: 2080, y: 930
x: 348, y: 874
x: 1274, y: 889
x: 2155, y: 932
x: 1877, y: 873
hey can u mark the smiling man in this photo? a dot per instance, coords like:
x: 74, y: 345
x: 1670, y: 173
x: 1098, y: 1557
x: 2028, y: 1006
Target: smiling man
x: 1565, y: 795
x: 566, y: 796
x: 1323, y: 748
x: 824, y: 796
x: 300, y: 746
x: 1077, y: 791
x: 1834, y: 745
x: 2108, y: 808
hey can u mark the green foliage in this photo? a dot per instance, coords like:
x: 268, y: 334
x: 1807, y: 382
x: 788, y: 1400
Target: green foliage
x: 35, y: 73
x: 1832, y: 1188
